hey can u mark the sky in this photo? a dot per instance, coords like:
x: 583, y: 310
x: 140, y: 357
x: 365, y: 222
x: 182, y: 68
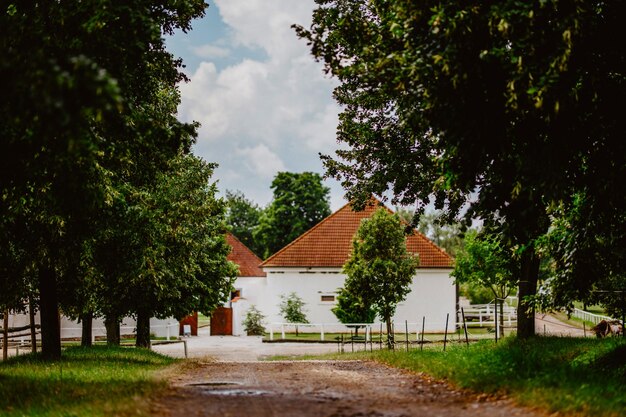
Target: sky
x: 265, y: 105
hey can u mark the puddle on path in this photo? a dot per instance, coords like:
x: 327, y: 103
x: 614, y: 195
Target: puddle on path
x: 213, y: 384
x: 235, y: 392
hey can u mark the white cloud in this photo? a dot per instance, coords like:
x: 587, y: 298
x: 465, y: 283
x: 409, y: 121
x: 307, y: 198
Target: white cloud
x: 209, y: 51
x: 261, y: 116
x: 261, y: 161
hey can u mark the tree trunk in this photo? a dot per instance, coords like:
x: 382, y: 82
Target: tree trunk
x: 33, y: 329
x: 143, y: 330
x: 390, y: 335
x: 112, y: 325
x: 5, y: 335
x: 501, y: 317
x: 527, y: 287
x: 49, y: 312
x: 86, y: 336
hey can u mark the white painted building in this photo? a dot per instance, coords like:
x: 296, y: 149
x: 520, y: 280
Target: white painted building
x: 311, y: 267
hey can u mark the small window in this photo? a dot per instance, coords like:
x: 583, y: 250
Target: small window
x: 329, y: 298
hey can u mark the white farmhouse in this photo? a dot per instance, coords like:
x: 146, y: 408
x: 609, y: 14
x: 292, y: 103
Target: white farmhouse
x: 311, y: 267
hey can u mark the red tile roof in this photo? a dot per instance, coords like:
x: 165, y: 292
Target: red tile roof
x: 249, y: 263
x: 329, y: 243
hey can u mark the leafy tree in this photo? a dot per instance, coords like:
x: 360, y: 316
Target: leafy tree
x: 253, y: 322
x: 242, y: 219
x: 292, y: 309
x: 170, y: 250
x: 488, y: 263
x: 351, y: 308
x: 76, y: 109
x: 380, y: 269
x: 476, y: 293
x: 506, y: 108
x: 448, y: 236
x: 589, y: 264
x: 300, y: 202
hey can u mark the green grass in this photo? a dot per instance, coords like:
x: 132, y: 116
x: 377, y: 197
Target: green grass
x: 203, y: 321
x: 100, y: 381
x: 474, y: 332
x: 583, y: 377
x: 595, y: 309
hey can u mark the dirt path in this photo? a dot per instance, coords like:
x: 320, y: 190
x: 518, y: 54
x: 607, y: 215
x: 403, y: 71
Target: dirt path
x: 546, y: 324
x: 319, y: 388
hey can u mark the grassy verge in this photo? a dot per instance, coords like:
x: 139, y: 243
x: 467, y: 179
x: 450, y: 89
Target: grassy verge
x: 583, y: 377
x: 99, y: 381
x: 474, y: 333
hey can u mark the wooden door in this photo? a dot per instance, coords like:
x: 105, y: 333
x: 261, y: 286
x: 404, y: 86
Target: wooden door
x: 222, y: 322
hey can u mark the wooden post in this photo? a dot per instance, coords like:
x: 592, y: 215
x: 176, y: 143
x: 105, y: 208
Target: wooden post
x: 352, y: 340
x: 423, y: 323
x: 406, y: 334
x: 585, y: 330
x: 445, y: 335
x: 623, y: 314
x: 495, y: 322
x: 33, y: 330
x: 5, y: 336
x: 380, y: 336
x: 464, y: 326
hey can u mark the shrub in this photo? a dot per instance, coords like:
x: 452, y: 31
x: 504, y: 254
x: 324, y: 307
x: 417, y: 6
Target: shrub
x: 253, y: 323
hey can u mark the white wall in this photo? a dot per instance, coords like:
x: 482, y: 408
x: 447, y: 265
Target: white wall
x: 433, y: 295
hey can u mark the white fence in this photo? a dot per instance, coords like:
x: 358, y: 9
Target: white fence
x: 412, y: 328
x: 587, y: 316
x: 481, y: 315
x: 170, y: 329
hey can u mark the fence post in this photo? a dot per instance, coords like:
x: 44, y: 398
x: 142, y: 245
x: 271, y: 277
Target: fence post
x: 464, y: 326
x: 495, y: 323
x: 168, y: 330
x: 322, y: 332
x: 445, y: 335
x: 5, y: 336
x: 282, y: 331
x: 406, y: 334
x: 423, y: 323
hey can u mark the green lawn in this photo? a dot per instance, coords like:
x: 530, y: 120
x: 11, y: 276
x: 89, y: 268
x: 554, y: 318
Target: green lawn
x: 473, y: 333
x: 100, y: 381
x: 575, y: 376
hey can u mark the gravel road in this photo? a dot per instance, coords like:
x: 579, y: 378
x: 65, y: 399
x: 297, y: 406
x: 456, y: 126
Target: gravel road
x: 320, y: 388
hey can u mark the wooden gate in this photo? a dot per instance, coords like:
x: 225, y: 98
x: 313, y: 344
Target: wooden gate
x: 222, y: 322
